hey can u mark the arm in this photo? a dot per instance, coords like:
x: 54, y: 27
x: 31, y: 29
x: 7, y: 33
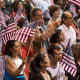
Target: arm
x: 10, y: 67
x: 64, y: 77
x: 50, y: 30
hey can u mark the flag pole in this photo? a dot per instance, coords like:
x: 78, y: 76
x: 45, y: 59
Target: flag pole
x: 31, y: 42
x: 30, y: 46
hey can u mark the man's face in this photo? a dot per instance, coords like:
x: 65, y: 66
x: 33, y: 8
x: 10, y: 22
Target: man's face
x: 38, y: 16
x: 2, y: 4
x: 58, y: 55
x: 69, y: 20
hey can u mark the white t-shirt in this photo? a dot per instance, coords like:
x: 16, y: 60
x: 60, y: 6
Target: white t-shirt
x: 69, y: 33
x: 17, y: 63
x: 56, y: 71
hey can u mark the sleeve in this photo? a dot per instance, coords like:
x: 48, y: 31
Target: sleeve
x: 42, y: 37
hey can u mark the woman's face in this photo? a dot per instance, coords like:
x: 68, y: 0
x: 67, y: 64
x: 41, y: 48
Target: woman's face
x: 56, y: 13
x: 61, y: 36
x: 20, y: 5
x: 16, y: 49
x: 46, y: 62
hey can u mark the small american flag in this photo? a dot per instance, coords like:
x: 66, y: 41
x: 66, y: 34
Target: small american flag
x: 33, y: 25
x: 10, y: 29
x: 2, y: 18
x: 68, y: 62
x: 18, y: 16
x: 77, y: 2
x: 23, y: 34
x: 2, y: 31
x: 6, y: 17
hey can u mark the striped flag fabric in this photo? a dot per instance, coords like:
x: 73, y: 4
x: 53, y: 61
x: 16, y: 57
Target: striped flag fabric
x: 2, y: 18
x: 23, y: 34
x: 2, y: 31
x: 77, y: 2
x: 6, y: 17
x: 68, y: 62
x: 18, y: 16
x: 10, y: 29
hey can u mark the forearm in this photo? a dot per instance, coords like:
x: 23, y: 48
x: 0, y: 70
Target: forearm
x: 42, y: 37
x: 17, y: 71
x: 11, y: 68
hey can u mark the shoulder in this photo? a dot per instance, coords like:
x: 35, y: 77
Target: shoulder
x: 61, y: 26
x: 61, y: 68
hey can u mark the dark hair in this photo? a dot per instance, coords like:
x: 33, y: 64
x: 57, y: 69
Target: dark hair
x: 21, y: 22
x: 55, y: 37
x: 51, y: 49
x: 35, y: 64
x: 15, y: 5
x: 9, y: 44
x: 33, y: 10
x: 65, y: 16
x: 55, y: 1
x: 52, y: 9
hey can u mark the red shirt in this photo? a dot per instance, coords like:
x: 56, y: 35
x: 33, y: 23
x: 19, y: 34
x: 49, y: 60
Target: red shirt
x: 74, y: 28
x: 23, y: 53
x: 16, y: 13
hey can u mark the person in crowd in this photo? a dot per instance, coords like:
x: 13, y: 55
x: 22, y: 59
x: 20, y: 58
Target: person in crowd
x: 57, y: 38
x: 55, y: 70
x: 78, y: 14
x: 59, y: 3
x: 54, y: 11
x: 3, y: 6
x: 15, y: 6
x: 66, y: 27
x: 28, y: 6
x: 5, y: 12
x: 38, y: 67
x: 25, y: 47
x: 41, y: 35
x: 43, y: 4
x: 14, y: 66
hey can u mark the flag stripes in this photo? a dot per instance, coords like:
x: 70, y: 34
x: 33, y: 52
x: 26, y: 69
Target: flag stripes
x: 23, y: 34
x: 68, y: 62
x: 77, y: 2
x: 2, y: 18
x: 9, y: 32
x: 18, y: 16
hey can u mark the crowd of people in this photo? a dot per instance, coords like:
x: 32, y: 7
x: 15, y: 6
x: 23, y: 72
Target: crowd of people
x: 39, y: 58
